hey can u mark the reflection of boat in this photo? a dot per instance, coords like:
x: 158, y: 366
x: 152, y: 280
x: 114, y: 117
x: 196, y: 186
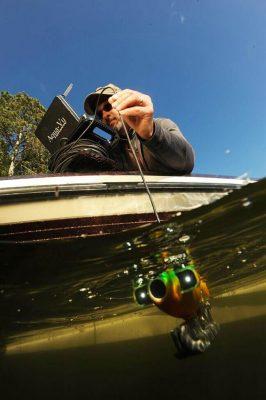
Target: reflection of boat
x: 56, y: 206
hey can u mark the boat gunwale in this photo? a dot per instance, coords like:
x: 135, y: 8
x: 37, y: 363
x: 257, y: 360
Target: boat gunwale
x: 85, y: 183
x: 64, y: 191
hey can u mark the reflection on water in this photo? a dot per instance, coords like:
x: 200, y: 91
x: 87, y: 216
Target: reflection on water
x: 70, y: 283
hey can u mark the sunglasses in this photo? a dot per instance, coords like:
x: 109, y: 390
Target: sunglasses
x: 106, y: 107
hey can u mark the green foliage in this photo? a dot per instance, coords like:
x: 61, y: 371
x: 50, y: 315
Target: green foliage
x: 21, y: 153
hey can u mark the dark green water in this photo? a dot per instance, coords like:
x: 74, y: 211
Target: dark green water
x: 73, y: 284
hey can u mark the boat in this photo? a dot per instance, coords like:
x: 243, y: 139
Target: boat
x: 44, y: 207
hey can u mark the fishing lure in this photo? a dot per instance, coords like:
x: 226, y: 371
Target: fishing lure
x: 182, y: 293
x: 178, y: 292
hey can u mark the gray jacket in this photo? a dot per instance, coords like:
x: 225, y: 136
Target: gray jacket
x: 167, y: 151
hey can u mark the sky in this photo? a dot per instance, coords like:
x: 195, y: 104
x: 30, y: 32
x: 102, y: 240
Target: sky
x: 203, y: 63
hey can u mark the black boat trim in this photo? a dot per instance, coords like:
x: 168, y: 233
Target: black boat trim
x: 74, y: 190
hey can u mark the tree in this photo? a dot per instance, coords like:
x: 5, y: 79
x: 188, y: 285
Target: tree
x: 21, y: 153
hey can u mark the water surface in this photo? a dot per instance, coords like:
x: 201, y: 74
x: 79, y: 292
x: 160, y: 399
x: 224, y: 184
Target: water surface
x: 61, y: 298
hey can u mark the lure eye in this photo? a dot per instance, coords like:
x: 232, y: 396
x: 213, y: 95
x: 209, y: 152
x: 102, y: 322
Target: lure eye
x: 187, y: 280
x: 140, y: 291
x: 157, y: 288
x: 142, y: 296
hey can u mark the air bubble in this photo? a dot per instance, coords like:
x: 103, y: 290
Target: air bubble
x: 184, y: 239
x: 246, y: 202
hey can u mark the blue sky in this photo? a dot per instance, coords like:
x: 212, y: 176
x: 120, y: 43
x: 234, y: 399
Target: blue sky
x: 203, y: 62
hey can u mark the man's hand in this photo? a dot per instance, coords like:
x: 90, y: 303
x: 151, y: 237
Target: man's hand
x: 136, y: 109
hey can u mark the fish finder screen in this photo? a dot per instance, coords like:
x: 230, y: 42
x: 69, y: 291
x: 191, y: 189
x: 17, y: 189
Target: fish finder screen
x: 102, y: 133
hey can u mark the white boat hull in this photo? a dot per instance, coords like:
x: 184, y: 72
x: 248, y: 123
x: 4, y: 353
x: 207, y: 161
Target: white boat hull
x: 40, y: 208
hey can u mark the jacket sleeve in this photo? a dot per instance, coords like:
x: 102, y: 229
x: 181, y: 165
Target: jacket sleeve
x: 168, y: 148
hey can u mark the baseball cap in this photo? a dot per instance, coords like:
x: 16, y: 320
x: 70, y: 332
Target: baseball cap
x: 103, y: 92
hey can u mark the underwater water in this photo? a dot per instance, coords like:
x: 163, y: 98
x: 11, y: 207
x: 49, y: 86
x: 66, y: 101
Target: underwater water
x: 69, y: 325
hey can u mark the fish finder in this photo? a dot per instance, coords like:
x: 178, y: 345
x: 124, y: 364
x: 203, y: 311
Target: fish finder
x: 61, y: 125
x: 62, y: 132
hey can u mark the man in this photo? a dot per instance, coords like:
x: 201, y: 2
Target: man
x: 158, y: 142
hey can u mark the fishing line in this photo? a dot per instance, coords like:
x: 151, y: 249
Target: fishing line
x: 134, y: 154
x: 139, y: 167
x: 67, y: 153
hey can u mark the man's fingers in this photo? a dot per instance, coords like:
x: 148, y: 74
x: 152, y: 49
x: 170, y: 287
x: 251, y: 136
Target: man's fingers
x: 120, y: 96
x: 125, y: 100
x: 129, y: 98
x: 136, y: 111
x: 130, y: 101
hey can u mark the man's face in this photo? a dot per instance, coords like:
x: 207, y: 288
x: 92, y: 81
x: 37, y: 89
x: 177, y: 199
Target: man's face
x: 109, y: 116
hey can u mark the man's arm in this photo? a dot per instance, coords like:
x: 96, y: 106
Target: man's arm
x: 164, y: 147
x: 168, y: 148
